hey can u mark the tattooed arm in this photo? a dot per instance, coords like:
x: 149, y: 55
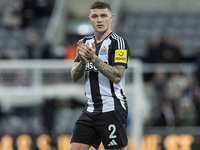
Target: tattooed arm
x: 78, y: 68
x: 77, y: 71
x: 114, y: 73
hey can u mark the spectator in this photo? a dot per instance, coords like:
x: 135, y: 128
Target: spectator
x: 191, y: 87
x: 32, y: 45
x: 1, y: 112
x: 185, y: 112
x: 197, y: 105
x: 13, y: 14
x: 28, y: 12
x: 49, y: 107
x: 43, y: 7
x: 152, y: 50
x: 167, y: 50
x: 152, y: 56
x: 176, y: 48
x: 46, y: 51
x: 175, y: 87
x: 197, y: 62
x: 159, y: 83
x: 167, y: 117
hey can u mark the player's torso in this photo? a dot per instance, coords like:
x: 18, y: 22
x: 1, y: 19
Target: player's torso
x: 101, y: 92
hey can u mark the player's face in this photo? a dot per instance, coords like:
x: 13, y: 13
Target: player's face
x: 100, y: 19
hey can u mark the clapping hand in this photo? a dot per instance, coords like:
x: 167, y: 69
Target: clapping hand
x: 86, y: 52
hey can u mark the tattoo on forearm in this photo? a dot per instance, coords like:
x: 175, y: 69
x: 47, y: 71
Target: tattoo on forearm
x: 109, y: 71
x: 78, y: 71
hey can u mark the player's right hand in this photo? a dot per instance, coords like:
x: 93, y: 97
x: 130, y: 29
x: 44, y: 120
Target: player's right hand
x: 81, y: 53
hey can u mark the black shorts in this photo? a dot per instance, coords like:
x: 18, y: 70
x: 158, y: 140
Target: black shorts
x: 109, y: 128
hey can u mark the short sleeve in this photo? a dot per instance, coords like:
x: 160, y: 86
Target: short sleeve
x: 121, y: 53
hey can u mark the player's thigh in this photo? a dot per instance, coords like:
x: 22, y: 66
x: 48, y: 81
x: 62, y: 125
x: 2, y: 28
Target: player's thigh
x: 113, y: 131
x: 84, y: 132
x: 79, y: 146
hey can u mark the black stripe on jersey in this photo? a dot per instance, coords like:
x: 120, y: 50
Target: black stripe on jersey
x: 95, y: 91
x: 124, y: 98
x: 116, y: 100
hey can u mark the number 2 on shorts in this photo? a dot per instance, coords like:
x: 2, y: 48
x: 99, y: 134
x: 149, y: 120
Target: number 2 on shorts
x: 112, y: 128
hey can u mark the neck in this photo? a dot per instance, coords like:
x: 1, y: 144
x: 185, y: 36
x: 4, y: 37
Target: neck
x: 101, y: 36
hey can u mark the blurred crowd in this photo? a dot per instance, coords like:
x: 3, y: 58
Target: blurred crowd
x: 175, y: 99
x: 20, y: 13
x: 46, y: 117
x: 174, y: 96
x: 22, y: 24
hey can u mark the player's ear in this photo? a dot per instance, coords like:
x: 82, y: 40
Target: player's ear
x: 111, y: 17
x: 89, y: 19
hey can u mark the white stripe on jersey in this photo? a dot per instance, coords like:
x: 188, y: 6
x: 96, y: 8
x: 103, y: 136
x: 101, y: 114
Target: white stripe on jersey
x: 90, y: 103
x: 120, y: 41
x: 104, y: 87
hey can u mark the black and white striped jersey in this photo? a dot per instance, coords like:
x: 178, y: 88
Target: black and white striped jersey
x: 104, y: 95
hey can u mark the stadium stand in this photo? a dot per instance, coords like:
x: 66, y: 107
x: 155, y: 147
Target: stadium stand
x: 139, y: 26
x: 14, y: 38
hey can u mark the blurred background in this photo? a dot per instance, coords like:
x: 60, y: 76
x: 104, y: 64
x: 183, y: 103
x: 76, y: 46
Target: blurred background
x: 39, y: 102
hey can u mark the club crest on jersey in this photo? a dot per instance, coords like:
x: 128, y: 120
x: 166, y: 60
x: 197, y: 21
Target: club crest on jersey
x: 121, y: 56
x: 90, y: 67
x: 103, y: 51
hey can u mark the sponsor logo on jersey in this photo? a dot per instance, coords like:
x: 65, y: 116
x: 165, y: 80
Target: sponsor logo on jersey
x: 90, y: 67
x: 103, y: 51
x: 120, y: 56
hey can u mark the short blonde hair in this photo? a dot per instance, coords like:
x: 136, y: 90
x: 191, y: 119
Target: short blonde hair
x: 100, y: 5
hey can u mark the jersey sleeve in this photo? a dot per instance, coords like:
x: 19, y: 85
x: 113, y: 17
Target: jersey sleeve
x: 120, y: 53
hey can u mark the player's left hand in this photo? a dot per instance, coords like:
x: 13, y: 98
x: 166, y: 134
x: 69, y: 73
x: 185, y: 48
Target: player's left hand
x: 90, y: 52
